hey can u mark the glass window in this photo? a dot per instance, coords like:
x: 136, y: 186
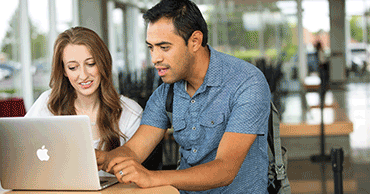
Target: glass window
x: 42, y: 49
x: 64, y: 15
x: 9, y: 44
x: 39, y: 29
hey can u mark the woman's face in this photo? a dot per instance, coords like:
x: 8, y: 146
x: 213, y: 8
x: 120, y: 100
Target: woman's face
x: 81, y: 69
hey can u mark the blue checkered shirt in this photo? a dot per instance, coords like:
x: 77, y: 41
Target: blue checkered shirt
x: 234, y: 97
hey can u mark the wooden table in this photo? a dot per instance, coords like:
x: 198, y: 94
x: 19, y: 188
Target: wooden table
x: 336, y: 121
x: 115, y: 189
x: 302, y: 136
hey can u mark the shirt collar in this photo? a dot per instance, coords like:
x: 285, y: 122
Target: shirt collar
x: 213, y: 76
x: 215, y: 71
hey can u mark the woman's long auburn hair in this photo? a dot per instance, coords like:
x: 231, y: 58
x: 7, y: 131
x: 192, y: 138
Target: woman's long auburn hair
x: 63, y: 95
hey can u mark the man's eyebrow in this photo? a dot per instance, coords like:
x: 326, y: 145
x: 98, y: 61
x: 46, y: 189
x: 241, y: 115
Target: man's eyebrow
x: 159, y: 44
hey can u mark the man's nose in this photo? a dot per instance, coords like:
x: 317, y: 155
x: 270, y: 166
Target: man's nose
x: 156, y: 57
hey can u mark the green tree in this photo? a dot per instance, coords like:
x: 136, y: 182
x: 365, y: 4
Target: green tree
x: 355, y: 24
x: 289, y: 46
x: 11, y: 42
x: 239, y: 37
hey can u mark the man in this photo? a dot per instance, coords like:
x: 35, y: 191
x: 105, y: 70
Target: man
x: 220, y: 111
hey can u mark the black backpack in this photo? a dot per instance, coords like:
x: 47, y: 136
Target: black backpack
x: 278, y: 158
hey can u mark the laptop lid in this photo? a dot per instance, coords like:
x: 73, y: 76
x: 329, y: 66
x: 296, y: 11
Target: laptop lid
x: 48, y: 153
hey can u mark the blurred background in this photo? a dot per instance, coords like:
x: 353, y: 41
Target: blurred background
x: 279, y: 37
x: 255, y: 30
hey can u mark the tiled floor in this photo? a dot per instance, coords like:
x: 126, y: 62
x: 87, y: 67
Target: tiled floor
x: 308, y: 177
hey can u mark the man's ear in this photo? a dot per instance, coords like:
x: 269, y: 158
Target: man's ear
x: 195, y: 40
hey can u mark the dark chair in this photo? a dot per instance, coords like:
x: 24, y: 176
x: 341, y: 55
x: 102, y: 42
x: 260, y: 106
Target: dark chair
x: 132, y: 87
x: 154, y: 160
x: 12, y: 107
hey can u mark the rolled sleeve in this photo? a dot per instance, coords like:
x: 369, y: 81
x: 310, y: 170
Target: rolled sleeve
x: 251, y: 108
x: 154, y: 113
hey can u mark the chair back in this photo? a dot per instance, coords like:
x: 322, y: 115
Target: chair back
x: 12, y: 107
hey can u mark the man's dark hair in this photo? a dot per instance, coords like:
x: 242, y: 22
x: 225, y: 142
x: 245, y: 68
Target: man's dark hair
x: 185, y: 15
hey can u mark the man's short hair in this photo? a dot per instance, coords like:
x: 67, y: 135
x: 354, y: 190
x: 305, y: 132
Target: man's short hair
x: 185, y: 15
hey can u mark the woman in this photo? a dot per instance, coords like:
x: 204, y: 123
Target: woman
x: 81, y: 84
x: 320, y: 53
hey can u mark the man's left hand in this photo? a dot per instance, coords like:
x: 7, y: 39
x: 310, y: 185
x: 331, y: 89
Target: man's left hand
x: 128, y: 170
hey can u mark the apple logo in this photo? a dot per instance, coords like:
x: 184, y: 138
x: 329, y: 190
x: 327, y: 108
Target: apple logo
x: 42, y: 154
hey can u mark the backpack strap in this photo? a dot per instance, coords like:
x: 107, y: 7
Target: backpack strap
x: 169, y: 102
x: 280, y: 168
x: 279, y: 164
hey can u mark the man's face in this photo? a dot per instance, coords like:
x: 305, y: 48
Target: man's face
x: 170, y: 55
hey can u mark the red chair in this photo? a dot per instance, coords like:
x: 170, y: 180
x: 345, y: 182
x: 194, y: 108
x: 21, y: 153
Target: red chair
x: 12, y: 107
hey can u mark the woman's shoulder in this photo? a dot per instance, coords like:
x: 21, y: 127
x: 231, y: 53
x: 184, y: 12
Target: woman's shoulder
x: 131, y: 105
x: 46, y: 94
x: 44, y: 97
x: 39, y: 108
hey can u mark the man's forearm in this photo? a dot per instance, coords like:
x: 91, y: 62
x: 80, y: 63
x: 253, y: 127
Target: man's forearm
x: 124, y: 151
x: 140, y: 145
x: 231, y: 153
x: 211, y: 175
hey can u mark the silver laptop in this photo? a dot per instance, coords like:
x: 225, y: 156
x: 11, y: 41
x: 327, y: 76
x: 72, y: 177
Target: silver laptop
x: 49, y: 153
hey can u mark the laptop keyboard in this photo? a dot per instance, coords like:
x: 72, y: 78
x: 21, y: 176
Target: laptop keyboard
x: 103, y: 182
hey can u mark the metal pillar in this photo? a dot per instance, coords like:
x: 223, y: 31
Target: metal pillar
x: 364, y: 29
x: 52, y: 31
x: 131, y: 20
x: 348, y: 40
x: 337, y: 45
x: 111, y: 32
x: 302, y: 56
x: 75, y: 13
x: 215, y: 26
x: 112, y: 41
x: 26, y: 60
x: 278, y: 34
x: 261, y: 40
x: 225, y: 30
x: 91, y: 14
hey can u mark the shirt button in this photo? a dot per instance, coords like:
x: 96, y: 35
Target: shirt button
x: 212, y: 122
x: 194, y: 150
x: 193, y: 128
x: 193, y: 101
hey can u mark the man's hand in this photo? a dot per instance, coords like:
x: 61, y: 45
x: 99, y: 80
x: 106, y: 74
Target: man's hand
x: 140, y: 143
x: 128, y: 170
x: 104, y: 158
x: 101, y: 158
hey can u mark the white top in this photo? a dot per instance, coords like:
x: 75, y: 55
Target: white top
x: 128, y: 123
x: 321, y: 56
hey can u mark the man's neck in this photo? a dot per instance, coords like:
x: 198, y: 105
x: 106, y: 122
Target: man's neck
x: 199, y: 71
